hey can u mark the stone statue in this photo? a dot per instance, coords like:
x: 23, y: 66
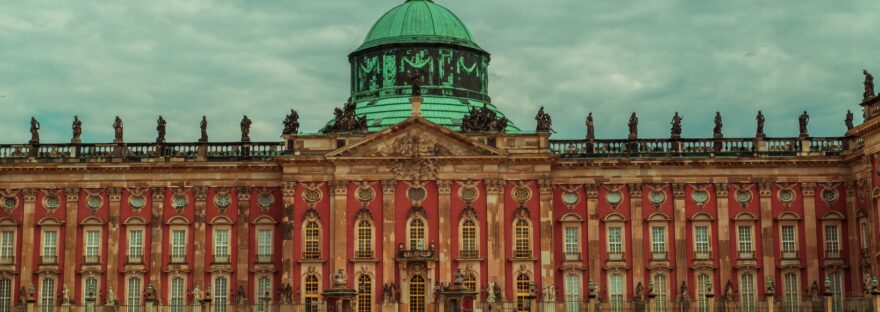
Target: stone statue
x: 150, y: 293
x: 340, y: 279
x: 386, y: 293
x: 728, y: 290
x: 549, y: 293
x: 849, y: 120
x: 869, y: 84
x: 111, y: 297
x: 676, y: 126
x: 544, y: 123
x: 35, y: 131
x: 415, y: 80
x: 286, y: 293
x: 204, y: 128
x: 803, y: 120
x: 160, y: 128
x: 770, y: 289
x: 22, y: 295
x: 291, y: 123
x: 117, y: 130
x: 459, y: 278
x: 633, y: 126
x: 197, y: 295
x: 718, y: 124
x: 760, y: 119
x: 591, y: 132
x: 65, y: 296
x: 77, y: 130
x: 683, y: 290
x: 245, y: 129
x: 240, y: 295
x: 394, y: 292
x: 346, y: 120
x: 492, y: 295
x: 483, y: 120
x: 640, y: 291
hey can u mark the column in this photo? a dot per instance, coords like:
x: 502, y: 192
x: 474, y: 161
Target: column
x: 495, y: 228
x: 593, y: 231
x: 768, y: 244
x: 201, y: 196
x: 72, y: 197
x: 725, y: 261
x: 115, y: 195
x: 852, y: 224
x: 338, y: 226
x: 548, y: 272
x: 241, y: 267
x: 158, y: 207
x: 390, y: 243
x: 445, y: 213
x: 812, y: 232
x: 28, y: 252
x: 288, y: 191
x: 679, y: 226
x: 638, y: 259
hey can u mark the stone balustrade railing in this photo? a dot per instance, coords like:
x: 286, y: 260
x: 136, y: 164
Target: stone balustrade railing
x: 720, y: 147
x: 141, y: 151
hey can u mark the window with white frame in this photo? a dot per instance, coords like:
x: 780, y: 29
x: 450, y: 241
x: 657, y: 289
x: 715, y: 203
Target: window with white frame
x: 264, y: 243
x: 863, y: 229
x: 701, y: 240
x: 264, y: 295
x: 658, y: 239
x: 93, y: 245
x: 135, y: 246
x: 221, y: 290
x: 133, y: 296
x: 221, y: 244
x: 90, y: 292
x: 836, y: 279
x: 615, y: 240
x: 744, y: 238
x: 789, y: 239
x: 7, y: 247
x: 572, y: 292
x: 616, y: 292
x: 702, y: 290
x: 832, y: 241
x: 572, y: 244
x: 661, y: 292
x: 50, y: 245
x: 790, y: 292
x: 5, y: 294
x: 47, y: 294
x: 178, y: 244
x: 748, y: 296
x: 177, y: 293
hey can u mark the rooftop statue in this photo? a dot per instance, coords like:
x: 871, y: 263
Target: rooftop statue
x: 483, y: 120
x: 117, y: 130
x: 591, y: 132
x: 160, y: 128
x: 35, y: 131
x: 718, y: 125
x: 291, y: 123
x: 415, y: 80
x: 633, y: 126
x: 802, y: 121
x: 346, y: 120
x: 204, y: 128
x: 760, y: 120
x: 544, y: 123
x: 77, y: 130
x: 676, y: 126
x: 869, y: 84
x: 245, y: 129
x: 849, y: 120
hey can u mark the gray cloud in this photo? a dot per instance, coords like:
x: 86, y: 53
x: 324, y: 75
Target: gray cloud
x: 224, y: 59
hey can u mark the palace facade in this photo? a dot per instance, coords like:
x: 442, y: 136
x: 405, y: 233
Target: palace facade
x: 420, y: 191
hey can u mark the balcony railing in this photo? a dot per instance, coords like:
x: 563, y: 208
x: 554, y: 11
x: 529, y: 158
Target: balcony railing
x: 311, y: 255
x: 49, y: 259
x: 522, y: 254
x: 264, y: 258
x: 178, y: 259
x: 91, y: 259
x: 469, y: 254
x: 416, y: 254
x: 699, y: 147
x: 221, y: 259
x: 135, y: 259
x: 747, y: 254
x: 363, y: 254
x: 658, y: 255
x: 572, y: 256
x: 7, y: 260
x: 139, y: 151
x: 789, y: 254
x: 703, y: 255
x: 615, y: 256
x: 832, y: 254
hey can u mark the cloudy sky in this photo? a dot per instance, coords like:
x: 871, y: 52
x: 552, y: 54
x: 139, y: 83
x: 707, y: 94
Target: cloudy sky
x: 225, y: 58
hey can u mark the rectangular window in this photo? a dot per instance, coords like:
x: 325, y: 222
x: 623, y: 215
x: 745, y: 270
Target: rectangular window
x: 661, y: 292
x: 789, y: 242
x: 50, y: 241
x: 836, y: 291
x: 747, y: 292
x: 701, y: 239
x: 264, y: 243
x: 93, y: 244
x: 220, y: 291
x: 702, y: 290
x: 7, y: 247
x: 221, y: 243
x: 5, y: 294
x: 832, y: 241
x: 47, y: 294
x: 135, y: 244
x: 863, y: 227
x: 615, y: 240
x: 790, y: 292
x: 178, y: 244
x: 571, y: 240
x: 658, y: 239
x: 615, y: 292
x: 177, y: 294
x: 264, y: 286
x: 133, y: 298
x: 572, y: 292
x: 744, y: 237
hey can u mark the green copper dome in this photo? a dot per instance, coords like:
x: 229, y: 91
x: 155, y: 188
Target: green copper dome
x: 421, y: 21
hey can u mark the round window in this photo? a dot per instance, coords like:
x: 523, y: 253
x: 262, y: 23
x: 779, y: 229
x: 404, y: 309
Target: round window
x: 365, y: 194
x: 222, y: 201
x: 179, y: 202
x: 829, y: 195
x: 743, y: 196
x: 416, y: 194
x: 786, y: 196
x: 311, y: 196
x: 613, y: 198
x: 700, y: 197
x: 10, y: 203
x: 521, y: 194
x: 468, y: 193
x: 137, y: 201
x: 265, y: 200
x: 52, y: 202
x: 94, y: 202
x: 657, y: 197
x: 570, y: 198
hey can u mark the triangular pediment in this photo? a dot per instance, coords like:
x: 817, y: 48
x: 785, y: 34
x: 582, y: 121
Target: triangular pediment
x: 419, y: 135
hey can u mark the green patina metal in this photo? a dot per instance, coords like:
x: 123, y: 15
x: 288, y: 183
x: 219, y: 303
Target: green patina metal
x: 419, y: 38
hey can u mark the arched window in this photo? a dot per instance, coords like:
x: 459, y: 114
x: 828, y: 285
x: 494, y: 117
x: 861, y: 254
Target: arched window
x: 221, y: 293
x: 417, y: 294
x: 702, y: 290
x: 365, y: 290
x: 747, y: 291
x: 470, y: 281
x: 523, y: 292
x: 417, y: 234
x: 311, y: 295
x: 312, y: 239
x: 522, y: 232
x: 264, y: 294
x: 178, y: 291
x: 5, y: 294
x: 47, y: 294
x: 469, y: 240
x: 90, y: 293
x: 133, y: 294
x: 364, y: 232
x: 661, y: 290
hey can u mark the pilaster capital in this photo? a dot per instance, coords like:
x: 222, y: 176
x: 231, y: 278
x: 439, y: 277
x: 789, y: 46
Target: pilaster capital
x: 339, y: 187
x: 808, y: 188
x: 288, y: 188
x: 200, y: 193
x: 765, y: 189
x: 244, y: 193
x: 30, y: 195
x: 444, y: 187
x: 721, y: 189
x: 545, y: 187
x: 158, y: 194
x: 71, y: 194
x: 635, y: 190
x: 114, y: 194
x: 494, y: 186
x: 389, y: 187
x: 592, y: 191
x: 850, y: 188
x: 678, y: 190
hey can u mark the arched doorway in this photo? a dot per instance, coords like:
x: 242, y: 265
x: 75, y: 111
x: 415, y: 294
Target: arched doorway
x: 417, y: 294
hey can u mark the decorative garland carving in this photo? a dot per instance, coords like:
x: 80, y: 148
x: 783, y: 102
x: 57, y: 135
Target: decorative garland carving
x: 312, y: 194
x: 468, y: 192
x: 365, y: 193
x: 415, y: 166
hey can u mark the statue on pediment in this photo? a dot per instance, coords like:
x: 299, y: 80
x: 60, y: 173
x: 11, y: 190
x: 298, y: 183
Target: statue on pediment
x: 291, y: 123
x: 676, y: 126
x: 869, y: 84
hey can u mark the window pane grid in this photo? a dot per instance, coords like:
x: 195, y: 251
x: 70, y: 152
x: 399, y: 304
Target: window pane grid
x: 658, y: 239
x: 312, y: 241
